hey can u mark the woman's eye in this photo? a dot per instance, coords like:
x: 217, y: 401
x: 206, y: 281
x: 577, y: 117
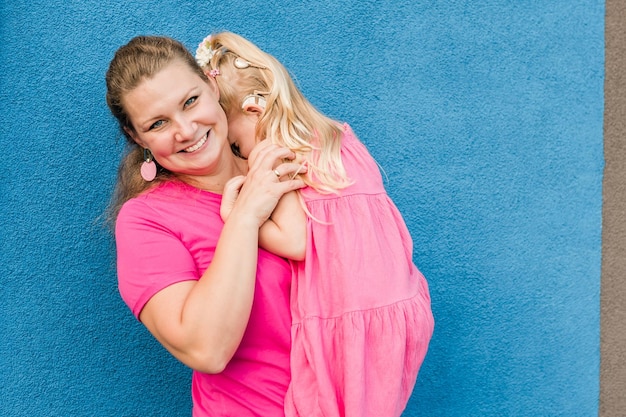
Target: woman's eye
x: 156, y: 124
x: 190, y: 101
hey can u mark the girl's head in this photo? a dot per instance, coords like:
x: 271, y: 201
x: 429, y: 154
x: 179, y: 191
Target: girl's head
x: 255, y: 89
x: 262, y: 101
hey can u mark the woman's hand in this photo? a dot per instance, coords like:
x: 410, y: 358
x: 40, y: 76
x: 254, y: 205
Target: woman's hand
x: 258, y: 192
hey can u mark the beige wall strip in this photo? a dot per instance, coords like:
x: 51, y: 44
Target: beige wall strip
x: 613, y: 293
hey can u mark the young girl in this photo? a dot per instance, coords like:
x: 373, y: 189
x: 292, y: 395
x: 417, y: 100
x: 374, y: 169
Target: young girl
x: 361, y: 317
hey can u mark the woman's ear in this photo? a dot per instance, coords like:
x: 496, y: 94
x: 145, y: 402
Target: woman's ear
x: 130, y: 132
x: 213, y: 86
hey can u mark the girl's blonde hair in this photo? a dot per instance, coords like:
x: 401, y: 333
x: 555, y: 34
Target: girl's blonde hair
x: 141, y: 58
x: 289, y: 119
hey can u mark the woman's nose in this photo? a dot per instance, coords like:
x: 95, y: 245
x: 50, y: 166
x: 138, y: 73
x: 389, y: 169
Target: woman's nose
x: 186, y: 129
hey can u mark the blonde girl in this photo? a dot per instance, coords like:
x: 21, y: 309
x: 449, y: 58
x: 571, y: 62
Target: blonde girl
x: 361, y: 317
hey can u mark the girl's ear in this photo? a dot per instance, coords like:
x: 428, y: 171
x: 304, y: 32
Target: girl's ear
x: 254, y: 103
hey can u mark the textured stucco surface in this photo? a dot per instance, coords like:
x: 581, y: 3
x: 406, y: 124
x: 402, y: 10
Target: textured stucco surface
x: 613, y: 363
x: 486, y: 117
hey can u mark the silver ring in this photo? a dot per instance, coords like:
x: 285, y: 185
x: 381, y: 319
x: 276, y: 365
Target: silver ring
x: 277, y: 173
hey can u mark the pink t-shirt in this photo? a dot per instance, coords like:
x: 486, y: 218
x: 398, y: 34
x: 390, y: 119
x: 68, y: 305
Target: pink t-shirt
x: 169, y: 235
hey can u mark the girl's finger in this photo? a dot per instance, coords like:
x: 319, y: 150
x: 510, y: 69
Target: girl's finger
x: 232, y: 187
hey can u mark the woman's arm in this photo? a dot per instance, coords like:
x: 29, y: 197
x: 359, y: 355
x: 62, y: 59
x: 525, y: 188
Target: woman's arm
x: 202, y: 322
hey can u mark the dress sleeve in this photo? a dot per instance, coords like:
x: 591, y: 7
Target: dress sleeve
x: 150, y: 255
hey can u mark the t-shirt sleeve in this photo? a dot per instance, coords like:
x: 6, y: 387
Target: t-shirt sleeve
x: 150, y: 255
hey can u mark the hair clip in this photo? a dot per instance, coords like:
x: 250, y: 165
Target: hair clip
x: 204, y: 53
x: 241, y: 63
x: 253, y: 99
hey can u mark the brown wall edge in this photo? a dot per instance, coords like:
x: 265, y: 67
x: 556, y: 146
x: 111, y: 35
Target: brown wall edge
x: 613, y: 286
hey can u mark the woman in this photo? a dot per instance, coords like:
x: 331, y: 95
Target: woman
x: 202, y: 287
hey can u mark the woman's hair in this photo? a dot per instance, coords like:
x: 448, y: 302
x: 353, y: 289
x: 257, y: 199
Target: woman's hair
x: 289, y: 119
x: 140, y: 59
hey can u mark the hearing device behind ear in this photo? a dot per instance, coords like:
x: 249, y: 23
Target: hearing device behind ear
x: 253, y: 99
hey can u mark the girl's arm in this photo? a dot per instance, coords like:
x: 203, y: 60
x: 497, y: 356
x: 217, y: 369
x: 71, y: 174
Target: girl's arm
x: 284, y: 233
x: 202, y: 322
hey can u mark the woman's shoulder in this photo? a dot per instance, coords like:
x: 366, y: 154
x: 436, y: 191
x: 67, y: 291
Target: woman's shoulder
x: 146, y: 199
x: 166, y: 199
x: 171, y: 192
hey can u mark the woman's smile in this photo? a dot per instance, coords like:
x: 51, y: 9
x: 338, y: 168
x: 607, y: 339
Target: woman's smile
x: 198, y: 144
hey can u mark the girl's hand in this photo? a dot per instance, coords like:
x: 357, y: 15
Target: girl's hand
x: 229, y: 196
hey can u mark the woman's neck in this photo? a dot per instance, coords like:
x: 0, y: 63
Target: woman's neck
x: 215, y: 182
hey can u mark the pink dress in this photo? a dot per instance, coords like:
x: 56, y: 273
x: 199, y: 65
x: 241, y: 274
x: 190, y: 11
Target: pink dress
x: 361, y: 317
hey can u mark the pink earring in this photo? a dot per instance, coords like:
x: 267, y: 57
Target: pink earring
x: 148, y: 167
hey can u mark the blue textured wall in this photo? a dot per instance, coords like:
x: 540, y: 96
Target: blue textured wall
x: 486, y: 116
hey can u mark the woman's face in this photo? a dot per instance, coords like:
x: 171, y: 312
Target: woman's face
x: 176, y: 115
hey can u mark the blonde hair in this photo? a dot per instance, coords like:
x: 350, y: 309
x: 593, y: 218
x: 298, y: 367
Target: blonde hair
x: 141, y: 58
x: 289, y: 119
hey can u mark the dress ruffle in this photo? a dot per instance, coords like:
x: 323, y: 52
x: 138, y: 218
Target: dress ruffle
x: 362, y: 363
